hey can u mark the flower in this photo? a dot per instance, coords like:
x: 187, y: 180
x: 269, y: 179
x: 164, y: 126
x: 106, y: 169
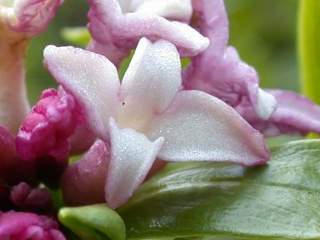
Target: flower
x: 116, y: 26
x: 20, y: 20
x: 149, y: 116
x: 295, y: 114
x: 219, y: 70
x: 28, y: 226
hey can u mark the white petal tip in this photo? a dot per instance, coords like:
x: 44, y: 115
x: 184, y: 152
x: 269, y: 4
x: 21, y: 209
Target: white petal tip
x: 266, y: 104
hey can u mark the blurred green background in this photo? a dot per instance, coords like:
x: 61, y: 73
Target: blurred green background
x: 264, y: 31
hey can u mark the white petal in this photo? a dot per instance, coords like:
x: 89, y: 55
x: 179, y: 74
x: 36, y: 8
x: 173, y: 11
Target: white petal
x: 132, y: 156
x: 266, y: 104
x: 91, y: 78
x: 199, y: 127
x: 150, y: 83
x: 172, y: 9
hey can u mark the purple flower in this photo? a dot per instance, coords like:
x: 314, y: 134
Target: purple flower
x: 19, y: 21
x: 28, y: 226
x: 149, y: 116
x: 219, y: 70
x: 117, y: 26
x: 295, y: 114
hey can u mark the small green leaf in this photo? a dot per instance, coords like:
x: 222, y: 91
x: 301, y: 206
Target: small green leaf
x: 76, y: 35
x: 94, y: 222
x: 222, y: 201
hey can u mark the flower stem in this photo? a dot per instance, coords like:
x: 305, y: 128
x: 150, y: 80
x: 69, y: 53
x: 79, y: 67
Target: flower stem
x: 309, y: 48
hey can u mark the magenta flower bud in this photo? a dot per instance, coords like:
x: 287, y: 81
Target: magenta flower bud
x: 28, y: 226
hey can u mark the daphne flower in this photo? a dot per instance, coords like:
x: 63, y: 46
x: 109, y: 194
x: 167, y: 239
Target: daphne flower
x: 19, y: 21
x: 21, y: 225
x: 148, y: 116
x: 219, y: 70
x: 295, y: 114
x: 117, y: 26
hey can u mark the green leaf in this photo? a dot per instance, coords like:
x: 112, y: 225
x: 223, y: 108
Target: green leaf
x: 94, y: 222
x: 309, y: 47
x: 76, y: 35
x: 222, y: 201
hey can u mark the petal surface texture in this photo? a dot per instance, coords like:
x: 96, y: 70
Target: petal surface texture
x: 110, y: 24
x: 132, y: 156
x: 199, y: 127
x: 150, y: 82
x: 91, y: 78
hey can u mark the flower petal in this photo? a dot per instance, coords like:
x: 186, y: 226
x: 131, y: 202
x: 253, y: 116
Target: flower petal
x: 91, y: 79
x: 83, y: 182
x: 199, y: 127
x: 219, y: 70
x: 33, y: 16
x: 132, y: 156
x: 171, y: 9
x: 23, y: 225
x: 110, y: 26
x: 295, y: 114
x: 150, y: 82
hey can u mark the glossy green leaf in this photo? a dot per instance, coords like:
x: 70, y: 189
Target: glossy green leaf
x: 76, y: 35
x: 309, y: 47
x: 95, y: 222
x: 223, y: 201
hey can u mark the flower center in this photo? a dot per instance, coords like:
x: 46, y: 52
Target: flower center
x: 6, y: 3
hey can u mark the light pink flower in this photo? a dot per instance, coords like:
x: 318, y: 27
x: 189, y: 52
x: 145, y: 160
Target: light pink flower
x: 219, y: 70
x: 295, y: 114
x: 19, y: 21
x: 28, y: 226
x: 149, y: 116
x: 117, y: 26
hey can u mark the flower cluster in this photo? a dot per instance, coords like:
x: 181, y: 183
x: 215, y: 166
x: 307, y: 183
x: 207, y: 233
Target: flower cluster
x: 213, y: 110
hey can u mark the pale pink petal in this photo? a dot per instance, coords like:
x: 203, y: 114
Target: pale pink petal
x: 91, y: 78
x: 132, y: 156
x: 150, y: 82
x: 180, y: 10
x: 82, y: 139
x: 23, y: 225
x: 295, y: 114
x: 219, y: 70
x: 108, y: 25
x: 83, y: 182
x: 199, y: 127
x: 33, y: 16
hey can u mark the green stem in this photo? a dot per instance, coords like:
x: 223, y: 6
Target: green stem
x: 309, y: 48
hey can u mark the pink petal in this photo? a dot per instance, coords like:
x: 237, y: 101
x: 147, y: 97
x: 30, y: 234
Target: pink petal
x: 33, y: 16
x: 150, y: 82
x: 91, y: 78
x: 199, y: 127
x: 110, y: 26
x: 219, y: 70
x: 45, y: 131
x: 132, y: 156
x: 83, y: 182
x: 22, y: 225
x: 295, y: 114
x: 180, y: 10
x: 12, y: 169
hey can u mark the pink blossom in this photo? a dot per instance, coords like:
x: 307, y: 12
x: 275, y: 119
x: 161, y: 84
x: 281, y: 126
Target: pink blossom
x: 28, y: 226
x: 117, y: 26
x: 148, y: 116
